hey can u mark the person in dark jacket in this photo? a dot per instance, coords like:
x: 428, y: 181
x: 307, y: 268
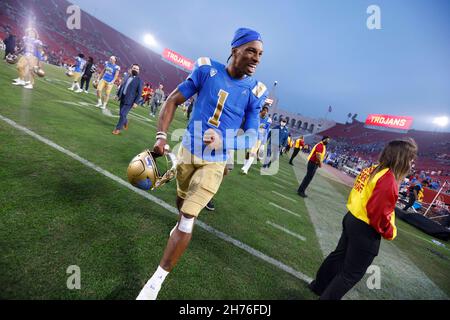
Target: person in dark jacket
x: 274, y: 148
x: 89, y: 69
x: 10, y: 44
x: 129, y: 94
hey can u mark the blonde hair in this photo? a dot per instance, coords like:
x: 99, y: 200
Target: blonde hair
x: 28, y: 30
x: 397, y: 156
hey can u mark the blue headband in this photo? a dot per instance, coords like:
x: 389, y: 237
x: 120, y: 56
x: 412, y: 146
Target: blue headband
x: 243, y: 36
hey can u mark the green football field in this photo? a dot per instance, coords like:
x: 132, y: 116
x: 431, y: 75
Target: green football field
x: 65, y: 201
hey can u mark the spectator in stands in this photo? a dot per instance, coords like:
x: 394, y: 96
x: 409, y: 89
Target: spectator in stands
x: 10, y: 44
x: 415, y: 194
x: 370, y: 216
x: 315, y: 160
x: 89, y: 69
x: 435, y: 185
x: 129, y: 94
x: 157, y: 98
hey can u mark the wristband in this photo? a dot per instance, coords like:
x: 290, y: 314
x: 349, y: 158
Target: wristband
x: 161, y: 135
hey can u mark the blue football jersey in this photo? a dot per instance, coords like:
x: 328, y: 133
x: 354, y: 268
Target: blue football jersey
x: 222, y: 104
x: 79, y: 64
x: 110, y: 71
x: 264, y: 126
x: 31, y: 46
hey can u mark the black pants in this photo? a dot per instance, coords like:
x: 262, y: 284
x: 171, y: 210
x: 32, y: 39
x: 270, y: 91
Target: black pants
x: 311, y: 170
x: 87, y: 80
x: 412, y: 199
x: 294, y: 154
x: 346, y: 265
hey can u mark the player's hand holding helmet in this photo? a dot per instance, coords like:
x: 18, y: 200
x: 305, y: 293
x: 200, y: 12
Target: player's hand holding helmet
x: 69, y: 72
x: 39, y: 71
x: 144, y: 172
x: 11, y: 58
x: 95, y: 83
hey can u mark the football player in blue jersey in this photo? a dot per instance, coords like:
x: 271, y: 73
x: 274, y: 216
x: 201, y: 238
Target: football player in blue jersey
x: 264, y: 125
x: 226, y: 95
x: 106, y: 82
x: 80, y: 62
x: 29, y: 60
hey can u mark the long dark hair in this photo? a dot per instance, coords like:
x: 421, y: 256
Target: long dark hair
x: 397, y: 156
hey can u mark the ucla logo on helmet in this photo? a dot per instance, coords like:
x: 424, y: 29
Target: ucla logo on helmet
x: 148, y: 160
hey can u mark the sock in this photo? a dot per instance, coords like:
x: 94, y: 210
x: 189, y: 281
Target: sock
x: 104, y: 104
x: 99, y: 101
x: 248, y: 163
x: 159, y: 276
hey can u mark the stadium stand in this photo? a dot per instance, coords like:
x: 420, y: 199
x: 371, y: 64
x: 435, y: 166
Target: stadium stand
x: 354, y: 147
x: 355, y: 140
x: 95, y: 39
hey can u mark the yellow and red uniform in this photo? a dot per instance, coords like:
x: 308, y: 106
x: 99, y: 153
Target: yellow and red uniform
x: 290, y: 143
x: 373, y: 201
x: 318, y: 153
x: 146, y: 93
x: 299, y: 143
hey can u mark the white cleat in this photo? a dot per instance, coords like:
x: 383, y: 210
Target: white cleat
x: 28, y: 86
x: 85, y: 91
x: 106, y: 112
x: 79, y: 90
x: 99, y: 105
x: 17, y: 80
x: 19, y: 83
x: 71, y: 89
x: 149, y: 292
x: 244, y: 171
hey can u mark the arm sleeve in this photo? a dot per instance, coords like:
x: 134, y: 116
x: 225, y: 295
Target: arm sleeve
x: 319, y: 149
x: 381, y: 205
x: 193, y: 82
x: 139, y: 92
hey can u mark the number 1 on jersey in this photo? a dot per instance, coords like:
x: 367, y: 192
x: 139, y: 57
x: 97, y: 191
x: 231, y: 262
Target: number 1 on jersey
x: 214, y: 120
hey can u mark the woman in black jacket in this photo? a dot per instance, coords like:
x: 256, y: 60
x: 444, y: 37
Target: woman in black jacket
x: 89, y: 69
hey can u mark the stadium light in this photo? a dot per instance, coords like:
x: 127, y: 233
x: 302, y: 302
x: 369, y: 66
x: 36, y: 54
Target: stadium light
x: 441, y: 121
x: 150, y: 40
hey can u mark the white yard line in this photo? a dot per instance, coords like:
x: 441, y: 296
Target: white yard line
x: 286, y: 230
x: 281, y: 180
x: 160, y: 202
x: 286, y: 210
x: 279, y: 185
x: 283, y: 196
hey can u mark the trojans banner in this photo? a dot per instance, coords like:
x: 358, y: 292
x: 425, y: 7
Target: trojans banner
x: 178, y: 60
x: 389, y: 122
